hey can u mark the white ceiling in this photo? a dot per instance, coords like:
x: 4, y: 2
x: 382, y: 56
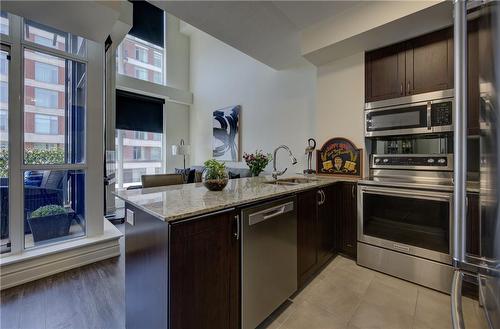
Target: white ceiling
x: 268, y: 31
x: 306, y: 13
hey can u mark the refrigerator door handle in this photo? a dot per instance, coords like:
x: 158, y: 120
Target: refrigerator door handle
x: 457, y: 315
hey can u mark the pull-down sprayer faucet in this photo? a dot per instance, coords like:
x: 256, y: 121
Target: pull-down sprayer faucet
x: 277, y: 172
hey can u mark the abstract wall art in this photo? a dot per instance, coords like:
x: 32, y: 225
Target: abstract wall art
x: 225, y: 140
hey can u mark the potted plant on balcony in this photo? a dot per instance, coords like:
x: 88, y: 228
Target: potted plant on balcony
x: 215, y: 175
x: 257, y: 162
x: 49, y: 222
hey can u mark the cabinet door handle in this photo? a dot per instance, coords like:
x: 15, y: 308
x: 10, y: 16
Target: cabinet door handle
x: 401, y: 89
x: 320, y: 202
x: 237, y: 233
x: 408, y: 86
x: 352, y: 192
x: 324, y: 196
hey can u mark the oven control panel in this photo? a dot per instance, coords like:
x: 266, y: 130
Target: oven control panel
x: 431, y: 162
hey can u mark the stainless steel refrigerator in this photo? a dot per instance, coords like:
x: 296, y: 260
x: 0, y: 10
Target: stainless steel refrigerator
x: 484, y: 268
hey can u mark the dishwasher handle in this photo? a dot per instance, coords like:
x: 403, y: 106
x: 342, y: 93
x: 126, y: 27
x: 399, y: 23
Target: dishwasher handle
x: 269, y: 213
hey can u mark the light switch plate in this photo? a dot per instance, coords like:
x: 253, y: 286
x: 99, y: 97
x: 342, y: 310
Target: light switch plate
x: 130, y: 217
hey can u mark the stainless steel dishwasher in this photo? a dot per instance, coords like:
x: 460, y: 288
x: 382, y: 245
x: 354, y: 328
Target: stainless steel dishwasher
x: 269, y: 258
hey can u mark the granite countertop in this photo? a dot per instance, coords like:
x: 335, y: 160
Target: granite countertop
x: 170, y: 203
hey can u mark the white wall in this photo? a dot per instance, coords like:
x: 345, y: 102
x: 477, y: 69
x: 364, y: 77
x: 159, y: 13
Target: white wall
x: 277, y: 106
x: 340, y: 101
x: 177, y: 127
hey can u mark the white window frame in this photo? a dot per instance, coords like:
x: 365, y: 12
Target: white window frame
x: 94, y: 153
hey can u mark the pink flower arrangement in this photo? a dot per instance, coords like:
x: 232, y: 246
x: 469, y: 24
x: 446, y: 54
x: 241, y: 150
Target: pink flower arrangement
x: 257, y: 161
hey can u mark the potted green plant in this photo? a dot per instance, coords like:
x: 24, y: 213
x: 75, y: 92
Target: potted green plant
x: 257, y: 162
x: 49, y: 222
x: 215, y: 175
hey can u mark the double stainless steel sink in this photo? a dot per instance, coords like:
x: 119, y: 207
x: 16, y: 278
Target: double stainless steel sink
x: 291, y: 181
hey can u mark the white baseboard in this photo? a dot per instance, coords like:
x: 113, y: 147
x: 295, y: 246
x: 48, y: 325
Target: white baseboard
x: 19, y: 271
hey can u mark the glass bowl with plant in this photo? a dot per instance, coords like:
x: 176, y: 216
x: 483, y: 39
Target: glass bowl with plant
x: 257, y: 161
x: 215, y: 176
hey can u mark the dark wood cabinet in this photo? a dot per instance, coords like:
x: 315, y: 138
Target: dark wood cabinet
x: 346, y: 225
x: 419, y: 65
x: 429, y: 62
x: 205, y: 273
x: 385, y: 73
x: 326, y: 223
x: 307, y: 251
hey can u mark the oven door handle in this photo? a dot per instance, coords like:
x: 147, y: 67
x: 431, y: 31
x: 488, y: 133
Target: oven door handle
x: 437, y: 196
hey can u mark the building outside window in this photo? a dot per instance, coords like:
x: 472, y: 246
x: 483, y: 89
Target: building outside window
x: 46, y: 124
x: 158, y: 59
x: 4, y: 120
x: 46, y: 98
x: 155, y: 153
x: 46, y: 72
x: 141, y: 73
x: 139, y: 49
x: 137, y: 153
x: 141, y: 54
x: 157, y: 78
x: 4, y: 23
x: 4, y: 91
x: 140, y: 135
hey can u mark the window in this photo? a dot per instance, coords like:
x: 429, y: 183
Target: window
x: 158, y: 59
x: 137, y: 156
x: 52, y: 170
x: 138, y: 66
x: 4, y: 23
x: 53, y: 38
x: 137, y: 153
x: 141, y: 73
x: 4, y: 155
x: 157, y: 78
x: 45, y: 41
x: 4, y: 121
x: 4, y: 91
x: 46, y: 98
x: 55, y: 123
x: 46, y: 72
x: 46, y: 124
x: 140, y: 135
x: 141, y: 54
x: 155, y: 153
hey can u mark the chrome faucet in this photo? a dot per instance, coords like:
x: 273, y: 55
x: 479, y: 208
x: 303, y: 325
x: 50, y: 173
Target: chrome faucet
x: 277, y: 172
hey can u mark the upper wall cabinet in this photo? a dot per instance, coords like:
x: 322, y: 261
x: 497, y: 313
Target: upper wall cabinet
x: 385, y: 73
x: 416, y: 66
x: 429, y: 62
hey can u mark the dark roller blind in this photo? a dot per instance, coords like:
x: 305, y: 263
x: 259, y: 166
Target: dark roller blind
x: 148, y: 23
x: 139, y: 112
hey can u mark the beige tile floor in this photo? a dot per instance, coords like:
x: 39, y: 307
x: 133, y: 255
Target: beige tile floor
x: 347, y: 296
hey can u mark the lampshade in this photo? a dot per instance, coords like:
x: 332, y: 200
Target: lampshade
x: 181, y: 149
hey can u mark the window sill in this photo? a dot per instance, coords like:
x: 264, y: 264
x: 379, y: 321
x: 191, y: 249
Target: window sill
x: 44, y: 261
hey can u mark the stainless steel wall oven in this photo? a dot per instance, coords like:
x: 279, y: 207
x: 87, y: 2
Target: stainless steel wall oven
x: 415, y: 222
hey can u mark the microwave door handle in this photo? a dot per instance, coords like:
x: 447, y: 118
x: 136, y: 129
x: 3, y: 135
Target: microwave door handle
x: 429, y: 116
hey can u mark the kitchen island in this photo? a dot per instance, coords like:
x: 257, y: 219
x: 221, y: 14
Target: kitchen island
x: 183, y: 246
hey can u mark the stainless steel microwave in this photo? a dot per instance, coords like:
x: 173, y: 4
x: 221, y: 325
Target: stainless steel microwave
x: 417, y: 114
